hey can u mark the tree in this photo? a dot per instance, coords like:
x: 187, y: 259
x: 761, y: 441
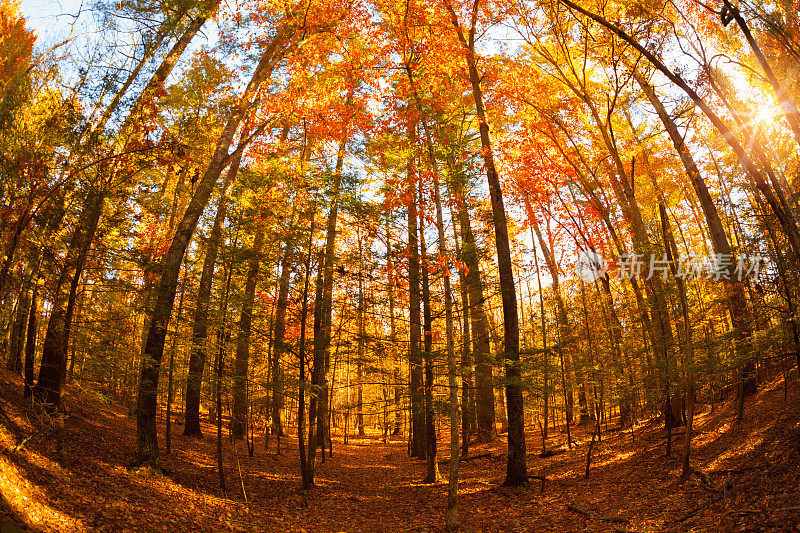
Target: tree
x: 516, y: 470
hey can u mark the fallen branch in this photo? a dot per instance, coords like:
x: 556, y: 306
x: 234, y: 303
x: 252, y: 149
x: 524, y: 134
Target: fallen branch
x: 467, y: 459
x: 24, y: 441
x: 592, y: 516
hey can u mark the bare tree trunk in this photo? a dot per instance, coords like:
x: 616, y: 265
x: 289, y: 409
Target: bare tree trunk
x: 784, y: 99
x: 451, y: 518
x: 785, y: 217
x: 316, y: 372
x: 565, y: 331
x: 398, y: 390
x: 361, y: 345
x: 452, y: 379
x: 467, y: 374
x: 17, y: 345
x: 307, y: 481
x: 322, y: 339
x: 223, y: 336
x: 545, y: 358
x: 168, y: 429
x: 54, y: 351
x: 53, y: 367
x: 688, y: 350
x: 279, y: 329
x: 737, y: 302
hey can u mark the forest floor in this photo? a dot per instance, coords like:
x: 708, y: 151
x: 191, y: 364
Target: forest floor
x: 753, y: 469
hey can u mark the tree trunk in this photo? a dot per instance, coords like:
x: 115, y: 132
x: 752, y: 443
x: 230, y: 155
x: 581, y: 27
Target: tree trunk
x: 432, y: 470
x: 361, y: 346
x: 17, y: 345
x: 451, y: 517
x: 784, y: 216
x: 484, y: 387
x: 240, y: 365
x: 452, y: 380
x: 307, y: 479
x: 53, y: 367
x: 468, y: 422
x: 197, y: 356
x: 516, y: 467
x: 414, y: 290
x: 688, y: 351
x: 565, y: 330
x: 279, y: 328
x: 51, y: 373
x: 784, y: 99
x: 170, y: 396
x: 322, y: 341
x: 737, y: 301
x: 147, y: 442
x: 545, y: 358
x: 316, y: 375
x: 30, y: 341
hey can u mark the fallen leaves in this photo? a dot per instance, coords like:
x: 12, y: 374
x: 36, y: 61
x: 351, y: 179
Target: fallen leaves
x: 370, y: 486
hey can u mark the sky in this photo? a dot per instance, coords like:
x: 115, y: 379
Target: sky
x: 51, y: 19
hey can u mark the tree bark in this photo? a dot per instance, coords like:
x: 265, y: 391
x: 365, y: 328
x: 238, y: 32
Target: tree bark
x: 786, y: 218
x: 316, y: 372
x: 53, y: 367
x: 361, y: 342
x: 307, y: 480
x: 431, y: 452
x: 468, y: 410
x: 565, y: 330
x: 322, y: 338
x: 168, y: 429
x: 688, y: 351
x: 738, y: 305
x: 17, y: 345
x: 279, y: 329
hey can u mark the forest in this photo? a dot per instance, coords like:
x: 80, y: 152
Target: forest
x: 378, y: 265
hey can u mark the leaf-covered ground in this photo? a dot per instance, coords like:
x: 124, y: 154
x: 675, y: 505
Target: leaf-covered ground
x: 753, y: 470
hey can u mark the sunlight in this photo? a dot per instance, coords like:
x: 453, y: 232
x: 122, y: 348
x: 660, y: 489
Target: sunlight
x: 734, y: 452
x: 766, y: 114
x: 26, y: 501
x: 617, y: 458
